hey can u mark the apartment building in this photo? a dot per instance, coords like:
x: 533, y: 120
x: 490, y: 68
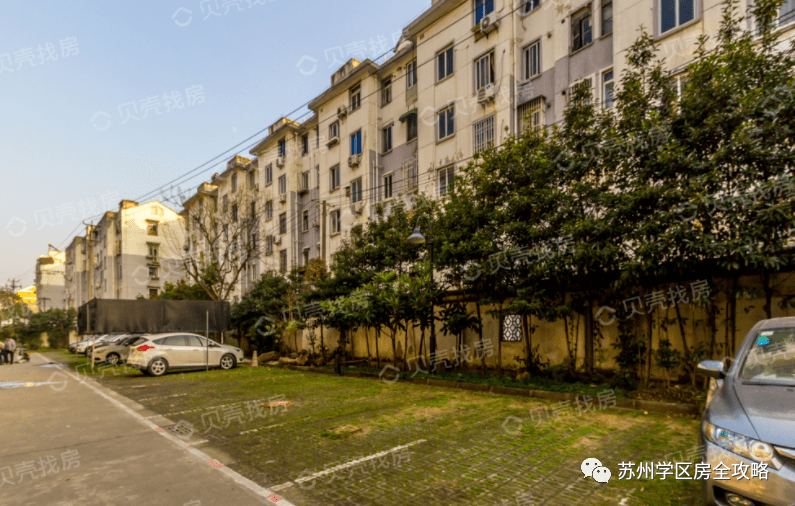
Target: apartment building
x: 50, y: 280
x: 464, y: 75
x: 77, y: 279
x: 130, y: 253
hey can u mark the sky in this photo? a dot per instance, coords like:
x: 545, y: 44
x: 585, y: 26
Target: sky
x: 102, y: 101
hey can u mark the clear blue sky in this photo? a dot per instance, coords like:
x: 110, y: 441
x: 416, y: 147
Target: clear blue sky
x: 64, y: 144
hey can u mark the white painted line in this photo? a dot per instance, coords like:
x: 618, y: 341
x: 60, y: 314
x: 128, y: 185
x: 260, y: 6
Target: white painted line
x: 240, y: 480
x: 358, y: 461
x: 163, y: 397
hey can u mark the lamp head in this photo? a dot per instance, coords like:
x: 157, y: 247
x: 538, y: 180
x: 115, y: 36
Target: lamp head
x: 417, y: 237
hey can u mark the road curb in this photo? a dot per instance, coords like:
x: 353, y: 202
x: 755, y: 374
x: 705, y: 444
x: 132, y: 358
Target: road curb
x: 667, y: 408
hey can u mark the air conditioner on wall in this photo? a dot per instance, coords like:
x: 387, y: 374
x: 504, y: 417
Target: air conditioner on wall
x: 280, y: 161
x: 353, y: 160
x: 357, y: 207
x: 282, y: 197
x: 487, y: 94
x: 342, y: 111
x: 488, y: 24
x: 277, y: 240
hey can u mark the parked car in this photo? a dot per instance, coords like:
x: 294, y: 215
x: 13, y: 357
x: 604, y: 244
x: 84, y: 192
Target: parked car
x: 87, y: 343
x: 116, y: 352
x: 750, y: 419
x: 73, y: 346
x: 158, y: 354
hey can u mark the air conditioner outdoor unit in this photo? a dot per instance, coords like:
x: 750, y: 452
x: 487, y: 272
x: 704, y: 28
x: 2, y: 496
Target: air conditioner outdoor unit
x: 277, y: 240
x: 342, y: 111
x: 280, y: 161
x: 357, y: 207
x: 256, y: 187
x: 316, y: 224
x: 487, y: 94
x: 282, y: 197
x: 489, y: 23
x: 353, y: 160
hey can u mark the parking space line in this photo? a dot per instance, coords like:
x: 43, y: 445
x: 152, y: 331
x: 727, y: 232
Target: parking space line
x: 262, y: 492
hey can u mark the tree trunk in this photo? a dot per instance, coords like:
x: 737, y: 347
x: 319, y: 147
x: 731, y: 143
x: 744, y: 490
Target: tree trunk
x: 422, y: 343
x: 681, y: 328
x: 480, y: 335
x: 406, y: 350
x: 367, y: 340
x: 394, y: 346
x: 528, y: 345
x: 499, y: 347
x: 649, y: 328
x: 731, y: 316
x: 768, y: 294
x: 571, y: 359
x: 588, y: 338
x: 322, y: 344
x: 377, y: 353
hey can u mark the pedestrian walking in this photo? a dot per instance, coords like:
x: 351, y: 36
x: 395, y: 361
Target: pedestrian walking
x: 11, y: 347
x: 2, y: 352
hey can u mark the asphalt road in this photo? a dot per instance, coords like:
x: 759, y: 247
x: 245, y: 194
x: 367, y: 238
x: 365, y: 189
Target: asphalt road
x: 66, y: 440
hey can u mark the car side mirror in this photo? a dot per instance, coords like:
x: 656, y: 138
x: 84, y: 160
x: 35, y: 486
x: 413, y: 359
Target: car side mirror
x: 712, y: 369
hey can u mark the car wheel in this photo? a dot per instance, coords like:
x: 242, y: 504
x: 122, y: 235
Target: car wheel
x: 112, y: 358
x: 157, y: 367
x: 228, y: 362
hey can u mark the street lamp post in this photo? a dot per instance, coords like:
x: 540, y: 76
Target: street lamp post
x: 418, y: 238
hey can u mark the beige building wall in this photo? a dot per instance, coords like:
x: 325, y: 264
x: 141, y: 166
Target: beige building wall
x: 51, y: 281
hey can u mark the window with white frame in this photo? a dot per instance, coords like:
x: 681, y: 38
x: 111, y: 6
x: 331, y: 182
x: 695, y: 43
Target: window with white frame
x: 581, y: 29
x: 411, y: 127
x: 532, y: 60
x: 386, y: 91
x: 269, y: 210
x: 336, y: 224
x: 283, y: 223
x: 484, y: 71
x: 512, y: 328
x: 607, y: 17
x: 283, y: 184
x: 786, y: 13
x: 252, y: 179
x: 607, y: 89
x: 334, y: 130
x: 531, y: 5
x: 306, y: 256
x: 444, y: 64
x: 269, y: 245
x: 531, y: 114
x: 445, y: 179
x: 356, y: 97
x: 305, y: 144
x: 305, y: 180
x: 305, y: 221
x: 673, y: 13
x: 269, y: 174
x: 334, y: 178
x: 411, y: 74
x: 356, y: 143
x: 234, y: 182
x: 388, y: 186
x: 484, y: 133
x: 482, y: 9
x: 283, y: 147
x: 356, y: 190
x: 446, y: 122
x: 386, y: 139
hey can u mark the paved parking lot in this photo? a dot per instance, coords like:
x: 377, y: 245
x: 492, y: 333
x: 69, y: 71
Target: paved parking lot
x: 355, y: 441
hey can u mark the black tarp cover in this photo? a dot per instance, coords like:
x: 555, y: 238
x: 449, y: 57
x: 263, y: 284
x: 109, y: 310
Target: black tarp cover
x: 152, y: 316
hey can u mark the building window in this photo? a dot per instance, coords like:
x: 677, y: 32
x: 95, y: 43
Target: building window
x: 269, y: 210
x: 531, y: 115
x: 151, y: 228
x: 336, y: 224
x: 484, y: 133
x: 283, y: 147
x: 305, y: 221
x: 254, y: 241
x: 607, y: 18
x: 283, y: 185
x: 234, y: 213
x: 531, y: 5
x: 268, y: 174
x: 482, y: 9
x: 153, y: 273
x: 334, y: 130
x: 680, y: 83
x: 386, y: 138
x: 334, y: 179
x: 306, y: 257
x: 283, y: 260
x: 484, y: 71
x: 356, y: 190
x: 356, y: 143
x: 512, y: 328
x: 153, y: 293
x: 786, y: 13
x: 607, y: 89
x: 675, y: 13
x: 386, y: 91
x: 581, y: 33
x: 587, y: 84
x: 269, y: 245
x: 411, y: 74
x: 445, y: 179
x: 305, y: 144
x: 411, y: 127
x: 356, y: 97
x: 444, y: 64
x: 252, y: 179
x: 234, y: 182
x: 388, y: 186
x: 225, y: 204
x: 283, y: 223
x: 305, y: 180
x: 446, y: 122
x: 532, y: 60
x: 253, y: 209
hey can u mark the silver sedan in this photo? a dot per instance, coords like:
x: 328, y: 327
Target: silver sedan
x: 157, y: 354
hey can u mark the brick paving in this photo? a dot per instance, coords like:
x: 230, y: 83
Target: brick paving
x: 466, y: 458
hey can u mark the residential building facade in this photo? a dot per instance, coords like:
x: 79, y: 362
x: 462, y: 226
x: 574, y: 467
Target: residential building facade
x: 50, y: 281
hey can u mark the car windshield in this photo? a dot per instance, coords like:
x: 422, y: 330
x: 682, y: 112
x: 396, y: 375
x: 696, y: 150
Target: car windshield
x: 772, y: 357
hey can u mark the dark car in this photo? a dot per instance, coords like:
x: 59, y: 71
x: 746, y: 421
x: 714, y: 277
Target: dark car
x: 749, y: 423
